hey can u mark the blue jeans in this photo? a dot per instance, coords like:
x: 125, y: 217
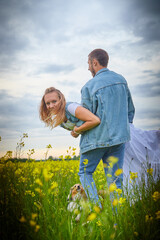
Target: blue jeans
x: 94, y: 157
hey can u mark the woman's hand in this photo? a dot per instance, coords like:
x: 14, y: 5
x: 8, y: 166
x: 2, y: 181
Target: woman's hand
x: 74, y: 133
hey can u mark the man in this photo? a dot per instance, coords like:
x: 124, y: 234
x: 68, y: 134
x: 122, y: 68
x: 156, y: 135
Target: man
x: 107, y: 96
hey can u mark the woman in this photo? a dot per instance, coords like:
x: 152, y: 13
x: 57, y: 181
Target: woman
x: 54, y: 111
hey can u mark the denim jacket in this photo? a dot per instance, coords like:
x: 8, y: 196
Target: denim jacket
x: 107, y: 96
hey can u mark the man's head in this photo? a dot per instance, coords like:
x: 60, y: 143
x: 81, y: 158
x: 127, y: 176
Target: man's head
x: 97, y: 60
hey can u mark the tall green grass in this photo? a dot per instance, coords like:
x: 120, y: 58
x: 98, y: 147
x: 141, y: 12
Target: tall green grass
x: 33, y: 205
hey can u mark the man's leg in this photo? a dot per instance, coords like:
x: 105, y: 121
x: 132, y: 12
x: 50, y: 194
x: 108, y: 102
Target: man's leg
x: 116, y: 151
x: 88, y: 164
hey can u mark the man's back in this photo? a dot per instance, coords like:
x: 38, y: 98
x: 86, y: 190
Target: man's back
x: 107, y: 95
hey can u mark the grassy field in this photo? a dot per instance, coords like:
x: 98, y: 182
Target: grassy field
x: 33, y: 204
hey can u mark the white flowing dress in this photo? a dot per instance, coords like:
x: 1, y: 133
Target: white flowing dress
x: 141, y: 153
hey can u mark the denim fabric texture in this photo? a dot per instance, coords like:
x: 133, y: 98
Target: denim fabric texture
x: 93, y: 158
x: 107, y: 95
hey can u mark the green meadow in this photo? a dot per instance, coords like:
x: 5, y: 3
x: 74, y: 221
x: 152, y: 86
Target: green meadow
x: 33, y: 204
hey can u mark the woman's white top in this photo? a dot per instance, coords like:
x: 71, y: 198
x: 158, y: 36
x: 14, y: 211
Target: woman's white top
x: 141, y: 152
x: 71, y: 108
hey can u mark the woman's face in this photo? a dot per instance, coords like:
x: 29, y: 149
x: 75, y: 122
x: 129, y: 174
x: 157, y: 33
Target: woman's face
x: 52, y: 101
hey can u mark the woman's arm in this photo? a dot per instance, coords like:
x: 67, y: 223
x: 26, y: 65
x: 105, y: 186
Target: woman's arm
x: 90, y: 120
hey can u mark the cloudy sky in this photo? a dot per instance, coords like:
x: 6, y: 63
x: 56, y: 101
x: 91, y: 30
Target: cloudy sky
x: 46, y: 43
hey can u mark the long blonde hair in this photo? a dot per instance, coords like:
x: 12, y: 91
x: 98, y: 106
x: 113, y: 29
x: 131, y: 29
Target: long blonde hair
x: 57, y: 117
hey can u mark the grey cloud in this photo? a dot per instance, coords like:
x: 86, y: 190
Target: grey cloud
x: 68, y: 83
x: 53, y: 68
x: 28, y: 25
x: 143, y: 18
x: 10, y: 43
x: 12, y: 17
x: 18, y: 113
x: 148, y: 6
x: 155, y: 75
x: 140, y: 17
x: 151, y: 89
x: 148, y: 71
x: 22, y: 19
x: 143, y: 59
x: 38, y: 16
x: 151, y: 113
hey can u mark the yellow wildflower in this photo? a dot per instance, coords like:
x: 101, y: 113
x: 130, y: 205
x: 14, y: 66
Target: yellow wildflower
x: 54, y: 185
x: 148, y: 218
x: 99, y: 223
x: 38, y: 190
x: 36, y: 171
x: 32, y: 223
x: 109, y: 175
x: 22, y: 219
x: 56, y: 192
x: 136, y: 234
x: 118, y: 172
x: 122, y: 200
x: 150, y: 171
x: 156, y: 196
x: 110, y: 165
x: 119, y: 191
x: 18, y: 171
x: 37, y: 228
x: 92, y: 217
x: 34, y: 215
x: 133, y: 175
x: 112, y: 187
x: 158, y: 215
x: 112, y: 159
x: 29, y: 192
x: 39, y: 182
x: 85, y: 162
x: 105, y: 165
x: 97, y: 209
x: 37, y: 205
x: 115, y: 202
x: 46, y: 175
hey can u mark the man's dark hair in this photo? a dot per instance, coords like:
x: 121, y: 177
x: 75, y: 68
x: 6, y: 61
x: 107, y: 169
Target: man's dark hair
x: 100, y: 55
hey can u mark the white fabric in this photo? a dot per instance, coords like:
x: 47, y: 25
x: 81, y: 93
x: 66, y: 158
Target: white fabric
x: 142, y: 152
x: 72, y: 107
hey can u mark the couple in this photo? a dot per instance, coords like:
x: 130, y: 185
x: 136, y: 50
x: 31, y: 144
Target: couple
x: 103, y: 120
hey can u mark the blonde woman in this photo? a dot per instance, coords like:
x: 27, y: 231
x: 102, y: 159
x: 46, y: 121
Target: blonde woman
x: 54, y: 111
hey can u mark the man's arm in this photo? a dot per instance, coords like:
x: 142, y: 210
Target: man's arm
x: 86, y: 100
